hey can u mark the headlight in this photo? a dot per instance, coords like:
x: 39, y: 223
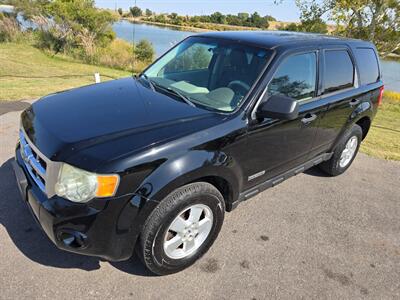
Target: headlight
x: 81, y: 186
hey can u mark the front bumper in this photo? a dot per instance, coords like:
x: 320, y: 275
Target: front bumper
x: 107, y: 228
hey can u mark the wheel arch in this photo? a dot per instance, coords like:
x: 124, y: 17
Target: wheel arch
x: 365, y: 124
x: 215, y: 168
x: 223, y: 186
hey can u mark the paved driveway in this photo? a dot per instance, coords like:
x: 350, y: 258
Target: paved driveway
x: 310, y: 237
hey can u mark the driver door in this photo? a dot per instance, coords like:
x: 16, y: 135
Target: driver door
x: 276, y: 146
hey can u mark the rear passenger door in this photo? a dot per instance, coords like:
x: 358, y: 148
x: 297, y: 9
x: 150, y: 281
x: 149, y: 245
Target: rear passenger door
x: 339, y: 94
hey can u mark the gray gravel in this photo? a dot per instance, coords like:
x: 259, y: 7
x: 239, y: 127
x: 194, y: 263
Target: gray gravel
x: 310, y: 237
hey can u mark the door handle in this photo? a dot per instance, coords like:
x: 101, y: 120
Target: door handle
x: 354, y: 102
x: 308, y: 118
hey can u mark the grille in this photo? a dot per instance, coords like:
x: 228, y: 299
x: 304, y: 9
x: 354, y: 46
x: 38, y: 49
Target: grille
x: 34, y: 161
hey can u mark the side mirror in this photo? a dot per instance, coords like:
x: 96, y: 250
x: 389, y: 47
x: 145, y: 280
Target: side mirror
x: 278, y: 107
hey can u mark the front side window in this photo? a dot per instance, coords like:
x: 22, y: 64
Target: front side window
x: 295, y: 77
x: 338, y: 71
x: 211, y: 73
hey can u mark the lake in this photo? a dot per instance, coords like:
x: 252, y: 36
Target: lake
x: 164, y: 38
x: 161, y: 37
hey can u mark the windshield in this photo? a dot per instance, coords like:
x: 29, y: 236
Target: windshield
x: 213, y: 73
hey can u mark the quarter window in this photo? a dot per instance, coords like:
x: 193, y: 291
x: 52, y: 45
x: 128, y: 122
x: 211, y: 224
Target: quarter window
x: 296, y: 77
x: 338, y: 71
x: 368, y: 65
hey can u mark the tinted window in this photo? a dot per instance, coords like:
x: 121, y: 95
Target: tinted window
x: 211, y: 73
x: 295, y: 77
x: 368, y: 65
x: 196, y: 57
x: 339, y: 70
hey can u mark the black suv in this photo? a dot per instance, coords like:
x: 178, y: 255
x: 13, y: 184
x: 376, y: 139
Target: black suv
x: 151, y: 163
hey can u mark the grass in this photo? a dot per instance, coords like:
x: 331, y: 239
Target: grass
x: 28, y: 66
x: 383, y: 139
x: 35, y: 74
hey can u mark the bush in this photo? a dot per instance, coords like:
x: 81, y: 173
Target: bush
x: 144, y: 51
x: 118, y: 54
x: 10, y: 30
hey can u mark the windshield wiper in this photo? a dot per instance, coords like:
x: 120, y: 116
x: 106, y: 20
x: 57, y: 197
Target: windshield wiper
x: 149, y: 81
x: 180, y: 95
x: 153, y: 86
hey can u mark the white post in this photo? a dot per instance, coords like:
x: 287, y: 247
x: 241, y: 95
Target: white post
x: 97, y: 78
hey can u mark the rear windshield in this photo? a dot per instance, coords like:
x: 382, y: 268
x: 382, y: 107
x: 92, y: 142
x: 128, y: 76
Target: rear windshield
x: 368, y: 65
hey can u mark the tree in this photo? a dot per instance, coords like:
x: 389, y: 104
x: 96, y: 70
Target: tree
x: 311, y: 13
x: 161, y: 18
x: 270, y: 18
x: 135, y: 11
x: 290, y: 27
x: 374, y: 20
x: 258, y: 21
x: 120, y: 11
x: 68, y: 24
x: 149, y: 13
x: 218, y: 18
x: 173, y: 16
x: 243, y: 16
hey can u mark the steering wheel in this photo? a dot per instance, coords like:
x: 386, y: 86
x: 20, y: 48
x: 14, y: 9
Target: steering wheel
x: 239, y: 87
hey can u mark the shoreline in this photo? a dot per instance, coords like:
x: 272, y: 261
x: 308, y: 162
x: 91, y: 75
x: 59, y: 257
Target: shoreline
x: 187, y: 28
x: 219, y: 27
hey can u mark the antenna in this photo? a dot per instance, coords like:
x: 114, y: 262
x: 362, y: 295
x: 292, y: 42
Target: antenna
x: 133, y: 42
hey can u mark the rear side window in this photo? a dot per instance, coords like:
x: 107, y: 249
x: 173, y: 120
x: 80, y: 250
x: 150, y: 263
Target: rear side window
x: 295, y: 77
x: 368, y: 65
x: 338, y: 71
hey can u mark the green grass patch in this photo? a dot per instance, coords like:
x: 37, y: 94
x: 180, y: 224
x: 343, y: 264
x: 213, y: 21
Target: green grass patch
x: 28, y: 73
x: 383, y: 139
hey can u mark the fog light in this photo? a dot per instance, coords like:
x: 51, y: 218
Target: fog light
x: 72, y: 239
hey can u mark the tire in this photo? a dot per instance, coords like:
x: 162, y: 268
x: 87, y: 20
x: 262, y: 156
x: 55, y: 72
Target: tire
x: 335, y: 166
x: 182, y: 203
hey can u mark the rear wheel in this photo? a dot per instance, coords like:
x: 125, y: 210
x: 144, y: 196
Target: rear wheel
x: 182, y: 228
x: 344, y: 153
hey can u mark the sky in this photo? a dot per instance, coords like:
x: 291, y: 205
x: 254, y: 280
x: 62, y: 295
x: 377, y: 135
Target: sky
x: 287, y: 11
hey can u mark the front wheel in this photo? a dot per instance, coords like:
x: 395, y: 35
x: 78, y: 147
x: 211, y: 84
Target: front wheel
x: 182, y: 228
x: 344, y: 152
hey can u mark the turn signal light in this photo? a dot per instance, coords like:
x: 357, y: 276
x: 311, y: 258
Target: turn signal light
x: 106, y: 185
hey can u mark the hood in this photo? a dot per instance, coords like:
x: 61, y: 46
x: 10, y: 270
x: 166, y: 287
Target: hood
x: 63, y: 124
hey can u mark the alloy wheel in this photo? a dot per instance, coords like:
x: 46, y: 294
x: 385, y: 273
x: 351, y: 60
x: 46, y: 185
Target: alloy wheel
x: 188, y: 231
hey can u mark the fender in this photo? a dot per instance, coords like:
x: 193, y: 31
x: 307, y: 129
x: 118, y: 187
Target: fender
x: 189, y: 167
x: 170, y: 175
x: 364, y: 109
